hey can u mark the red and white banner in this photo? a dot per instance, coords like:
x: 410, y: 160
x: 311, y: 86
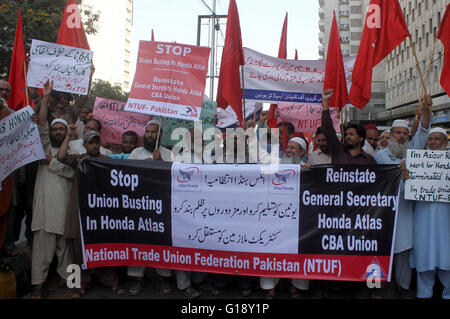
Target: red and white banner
x: 170, y: 80
x: 306, y: 117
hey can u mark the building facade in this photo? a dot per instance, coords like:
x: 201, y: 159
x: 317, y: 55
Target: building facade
x: 112, y: 42
x: 350, y: 16
x: 403, y: 82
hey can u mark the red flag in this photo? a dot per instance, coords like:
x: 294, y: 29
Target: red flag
x: 17, y: 98
x: 71, y: 32
x: 229, y: 86
x: 444, y: 35
x: 334, y: 71
x: 384, y: 30
x: 272, y: 121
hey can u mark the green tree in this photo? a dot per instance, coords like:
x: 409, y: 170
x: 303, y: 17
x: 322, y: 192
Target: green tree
x: 104, y: 89
x: 41, y: 20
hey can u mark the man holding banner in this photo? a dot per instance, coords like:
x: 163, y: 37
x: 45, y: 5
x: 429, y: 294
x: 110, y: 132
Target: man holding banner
x: 431, y: 234
x: 394, y: 154
x: 152, y: 150
x: 50, y: 202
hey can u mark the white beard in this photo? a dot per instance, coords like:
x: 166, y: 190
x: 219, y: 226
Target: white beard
x: 285, y: 159
x: 397, y: 149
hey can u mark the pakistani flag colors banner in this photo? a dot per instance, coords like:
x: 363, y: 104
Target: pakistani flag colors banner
x: 330, y: 222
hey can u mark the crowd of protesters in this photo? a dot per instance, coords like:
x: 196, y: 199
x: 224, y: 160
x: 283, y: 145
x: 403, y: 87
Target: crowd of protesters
x: 45, y: 194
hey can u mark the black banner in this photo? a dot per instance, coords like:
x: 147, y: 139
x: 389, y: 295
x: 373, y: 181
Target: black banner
x: 348, y: 209
x: 125, y: 201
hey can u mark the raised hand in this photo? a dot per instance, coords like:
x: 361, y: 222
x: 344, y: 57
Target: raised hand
x: 48, y: 87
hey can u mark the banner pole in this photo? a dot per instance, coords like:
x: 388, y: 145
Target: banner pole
x: 26, y: 86
x: 244, y: 124
x: 417, y: 64
x: 159, y: 133
x: 430, y: 61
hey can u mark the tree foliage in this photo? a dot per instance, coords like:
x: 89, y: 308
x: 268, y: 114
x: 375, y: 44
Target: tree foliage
x: 104, y: 89
x: 41, y: 20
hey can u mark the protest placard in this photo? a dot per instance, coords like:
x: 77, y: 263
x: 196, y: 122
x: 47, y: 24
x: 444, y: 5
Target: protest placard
x: 332, y: 222
x: 306, y: 117
x: 270, y: 79
x: 116, y: 121
x: 68, y: 67
x: 207, y: 118
x: 429, y: 175
x: 20, y: 143
x: 170, y: 80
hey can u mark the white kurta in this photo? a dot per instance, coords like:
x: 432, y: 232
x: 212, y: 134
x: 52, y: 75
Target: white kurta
x: 404, y: 229
x: 76, y: 148
x: 51, y: 191
x: 141, y: 153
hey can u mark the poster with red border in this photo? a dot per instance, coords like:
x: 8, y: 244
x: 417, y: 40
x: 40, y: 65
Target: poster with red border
x: 170, y: 80
x: 333, y: 222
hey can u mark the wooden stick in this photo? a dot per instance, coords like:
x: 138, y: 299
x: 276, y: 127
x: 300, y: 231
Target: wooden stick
x: 426, y: 76
x: 26, y: 86
x: 159, y: 133
x: 417, y: 64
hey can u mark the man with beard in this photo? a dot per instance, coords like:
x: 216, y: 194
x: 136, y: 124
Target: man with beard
x: 351, y: 151
x: 72, y: 233
x: 431, y: 234
x: 153, y: 151
x: 394, y: 154
x: 322, y: 154
x: 294, y: 154
x: 150, y: 150
x: 50, y: 201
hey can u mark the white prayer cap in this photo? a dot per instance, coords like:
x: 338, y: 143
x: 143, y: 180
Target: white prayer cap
x: 59, y: 121
x: 438, y: 130
x: 387, y: 132
x: 155, y: 122
x: 299, y: 141
x: 400, y: 123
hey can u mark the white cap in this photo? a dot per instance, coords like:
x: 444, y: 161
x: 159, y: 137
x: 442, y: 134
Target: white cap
x: 384, y: 132
x: 438, y: 130
x: 59, y: 121
x: 299, y: 141
x: 154, y: 122
x: 400, y: 123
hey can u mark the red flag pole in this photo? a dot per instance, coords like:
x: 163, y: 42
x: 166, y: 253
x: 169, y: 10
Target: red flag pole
x: 417, y: 64
x: 26, y: 86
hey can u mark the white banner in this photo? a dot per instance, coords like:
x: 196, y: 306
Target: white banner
x: 202, y: 217
x: 20, y: 143
x: 68, y: 67
x: 429, y: 176
x: 268, y: 79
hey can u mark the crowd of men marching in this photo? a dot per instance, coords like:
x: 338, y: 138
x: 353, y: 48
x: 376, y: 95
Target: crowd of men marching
x: 45, y: 194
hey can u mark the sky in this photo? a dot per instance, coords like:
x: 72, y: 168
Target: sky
x: 261, y: 23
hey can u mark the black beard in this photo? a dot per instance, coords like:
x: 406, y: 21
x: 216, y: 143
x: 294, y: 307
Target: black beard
x: 55, y: 142
x: 149, y: 145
